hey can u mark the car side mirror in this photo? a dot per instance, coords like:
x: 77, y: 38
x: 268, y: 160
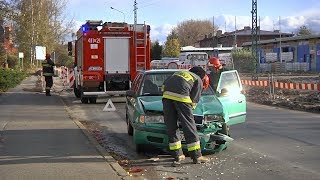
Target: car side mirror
x: 130, y: 93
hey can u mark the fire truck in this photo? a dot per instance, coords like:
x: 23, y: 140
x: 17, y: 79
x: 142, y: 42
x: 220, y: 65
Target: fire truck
x: 107, y: 58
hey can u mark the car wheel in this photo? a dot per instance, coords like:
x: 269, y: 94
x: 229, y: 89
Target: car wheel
x: 129, y: 126
x: 84, y: 100
x: 93, y: 100
x: 139, y: 148
x: 224, y: 130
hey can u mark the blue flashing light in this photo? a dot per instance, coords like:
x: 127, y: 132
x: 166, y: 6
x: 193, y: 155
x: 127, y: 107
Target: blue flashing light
x: 83, y: 28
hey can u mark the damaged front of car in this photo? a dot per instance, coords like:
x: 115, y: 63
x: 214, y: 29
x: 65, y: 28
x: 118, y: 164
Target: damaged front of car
x: 209, y: 117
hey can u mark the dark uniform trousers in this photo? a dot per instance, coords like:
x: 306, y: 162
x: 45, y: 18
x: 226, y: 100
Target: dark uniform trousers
x: 49, y: 83
x: 175, y: 111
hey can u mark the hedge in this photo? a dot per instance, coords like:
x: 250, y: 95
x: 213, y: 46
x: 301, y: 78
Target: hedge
x: 10, y: 78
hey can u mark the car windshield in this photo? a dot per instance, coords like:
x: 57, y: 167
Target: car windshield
x: 152, y: 84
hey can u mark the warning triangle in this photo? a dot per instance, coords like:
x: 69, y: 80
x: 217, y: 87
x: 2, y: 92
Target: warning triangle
x: 109, y: 106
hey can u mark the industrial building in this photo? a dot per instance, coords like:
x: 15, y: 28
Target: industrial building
x: 299, y: 53
x: 238, y: 37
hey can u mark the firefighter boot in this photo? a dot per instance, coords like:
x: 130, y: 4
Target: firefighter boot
x: 200, y: 160
x: 177, y: 161
x: 48, y: 92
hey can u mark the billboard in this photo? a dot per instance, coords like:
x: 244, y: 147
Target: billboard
x: 40, y: 52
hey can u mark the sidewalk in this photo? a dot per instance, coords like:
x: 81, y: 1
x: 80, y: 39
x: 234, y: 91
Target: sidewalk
x: 38, y: 140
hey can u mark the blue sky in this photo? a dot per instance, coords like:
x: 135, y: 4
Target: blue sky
x: 163, y: 15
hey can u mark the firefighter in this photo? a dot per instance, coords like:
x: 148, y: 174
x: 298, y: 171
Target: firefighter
x: 215, y: 71
x: 47, y: 69
x: 181, y: 93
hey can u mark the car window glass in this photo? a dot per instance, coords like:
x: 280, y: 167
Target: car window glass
x: 137, y: 83
x: 229, y: 81
x: 152, y: 83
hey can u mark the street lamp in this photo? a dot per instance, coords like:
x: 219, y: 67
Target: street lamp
x: 124, y: 17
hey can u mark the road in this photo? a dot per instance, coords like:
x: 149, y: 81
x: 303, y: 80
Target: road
x: 274, y: 143
x: 39, y: 141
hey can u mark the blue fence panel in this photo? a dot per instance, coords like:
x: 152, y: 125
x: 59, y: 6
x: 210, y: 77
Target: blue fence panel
x: 318, y: 57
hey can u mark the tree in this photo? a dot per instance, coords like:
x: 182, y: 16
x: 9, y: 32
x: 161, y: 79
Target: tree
x: 303, y: 31
x: 156, y: 50
x: 191, y: 31
x: 172, y: 48
x: 39, y: 22
x: 243, y: 61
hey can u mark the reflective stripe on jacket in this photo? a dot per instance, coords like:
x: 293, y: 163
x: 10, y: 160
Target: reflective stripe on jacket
x: 183, y: 86
x: 47, y: 67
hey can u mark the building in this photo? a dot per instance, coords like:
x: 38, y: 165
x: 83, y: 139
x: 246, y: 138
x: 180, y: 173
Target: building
x: 238, y: 37
x: 211, y: 51
x: 299, y: 53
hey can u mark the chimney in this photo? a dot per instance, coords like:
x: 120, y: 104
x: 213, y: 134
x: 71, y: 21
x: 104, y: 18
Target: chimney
x: 247, y: 28
x: 219, y: 32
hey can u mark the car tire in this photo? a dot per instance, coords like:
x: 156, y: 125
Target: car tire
x: 226, y: 131
x: 129, y: 126
x: 140, y: 148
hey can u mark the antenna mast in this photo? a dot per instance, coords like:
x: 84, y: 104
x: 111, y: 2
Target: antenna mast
x: 135, y: 8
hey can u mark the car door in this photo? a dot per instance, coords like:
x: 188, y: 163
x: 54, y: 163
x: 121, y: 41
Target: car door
x: 231, y: 96
x: 131, y: 100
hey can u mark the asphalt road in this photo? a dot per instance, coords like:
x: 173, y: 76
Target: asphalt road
x: 274, y: 143
x: 38, y: 140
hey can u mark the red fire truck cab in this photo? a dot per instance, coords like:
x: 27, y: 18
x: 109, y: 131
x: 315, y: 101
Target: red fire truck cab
x: 108, y: 56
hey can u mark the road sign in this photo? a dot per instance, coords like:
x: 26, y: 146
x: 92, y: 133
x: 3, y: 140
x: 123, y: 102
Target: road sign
x: 111, y: 108
x: 21, y: 55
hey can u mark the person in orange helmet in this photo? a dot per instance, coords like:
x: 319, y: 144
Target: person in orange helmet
x: 215, y: 71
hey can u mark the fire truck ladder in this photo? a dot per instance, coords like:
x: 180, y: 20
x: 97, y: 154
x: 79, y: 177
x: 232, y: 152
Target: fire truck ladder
x: 140, y: 44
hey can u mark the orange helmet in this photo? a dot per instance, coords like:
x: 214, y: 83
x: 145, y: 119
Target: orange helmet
x: 48, y: 56
x: 206, y: 82
x: 214, y: 62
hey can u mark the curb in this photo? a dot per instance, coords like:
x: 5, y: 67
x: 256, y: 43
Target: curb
x: 109, y: 159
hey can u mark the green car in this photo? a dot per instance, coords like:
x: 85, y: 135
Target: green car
x: 214, y: 114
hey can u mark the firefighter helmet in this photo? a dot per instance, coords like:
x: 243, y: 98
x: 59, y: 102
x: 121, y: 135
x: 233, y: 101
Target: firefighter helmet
x: 206, y: 82
x: 198, y: 71
x: 48, y: 56
x: 215, y: 62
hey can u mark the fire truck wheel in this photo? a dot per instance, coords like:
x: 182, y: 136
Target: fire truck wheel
x: 93, y: 100
x: 84, y: 100
x: 76, y: 91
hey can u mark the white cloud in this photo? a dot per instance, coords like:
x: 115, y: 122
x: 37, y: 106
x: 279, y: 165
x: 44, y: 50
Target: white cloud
x: 160, y: 33
x: 288, y: 24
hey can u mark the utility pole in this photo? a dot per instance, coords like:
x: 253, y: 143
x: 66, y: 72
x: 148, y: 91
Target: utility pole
x: 280, y: 49
x: 32, y: 36
x: 135, y: 8
x: 235, y: 31
x: 254, y: 34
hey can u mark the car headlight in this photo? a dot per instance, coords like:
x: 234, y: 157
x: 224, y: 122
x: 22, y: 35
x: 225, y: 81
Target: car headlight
x: 151, y: 119
x: 213, y: 118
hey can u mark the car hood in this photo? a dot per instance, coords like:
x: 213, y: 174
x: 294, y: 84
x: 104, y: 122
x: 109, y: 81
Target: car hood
x: 208, y: 104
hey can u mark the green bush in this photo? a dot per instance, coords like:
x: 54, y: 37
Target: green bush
x: 10, y: 78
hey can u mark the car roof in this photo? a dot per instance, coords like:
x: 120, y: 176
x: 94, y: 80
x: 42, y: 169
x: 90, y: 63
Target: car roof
x: 161, y: 71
